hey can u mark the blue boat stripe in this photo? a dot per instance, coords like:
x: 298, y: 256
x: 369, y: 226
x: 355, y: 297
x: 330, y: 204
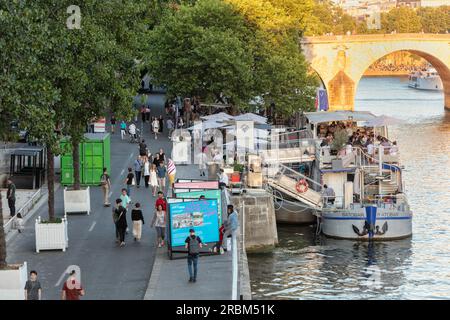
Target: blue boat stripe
x: 362, y: 218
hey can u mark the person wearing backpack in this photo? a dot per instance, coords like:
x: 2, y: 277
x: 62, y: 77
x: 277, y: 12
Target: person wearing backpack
x: 193, y: 244
x: 105, y: 182
x: 120, y: 220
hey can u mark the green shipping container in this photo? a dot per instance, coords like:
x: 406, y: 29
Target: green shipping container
x: 95, y: 154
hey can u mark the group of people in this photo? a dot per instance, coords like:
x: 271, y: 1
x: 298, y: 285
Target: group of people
x: 119, y: 213
x: 364, y: 139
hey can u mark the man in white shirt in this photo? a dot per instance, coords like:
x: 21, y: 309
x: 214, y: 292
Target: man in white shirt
x: 202, y: 160
x: 132, y: 130
x: 223, y: 179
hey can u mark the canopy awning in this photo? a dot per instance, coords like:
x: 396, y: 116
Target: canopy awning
x: 251, y: 117
x: 320, y: 117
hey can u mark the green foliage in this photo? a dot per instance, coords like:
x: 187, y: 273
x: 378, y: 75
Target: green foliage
x: 339, y: 140
x: 237, y: 167
x: 212, y: 47
x: 56, y: 220
x: 401, y: 20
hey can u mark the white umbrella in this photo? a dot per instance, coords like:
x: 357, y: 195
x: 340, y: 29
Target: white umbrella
x: 222, y: 116
x: 382, y: 121
x: 207, y: 125
x: 251, y: 117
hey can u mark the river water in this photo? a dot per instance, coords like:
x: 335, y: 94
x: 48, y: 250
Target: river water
x: 308, y: 267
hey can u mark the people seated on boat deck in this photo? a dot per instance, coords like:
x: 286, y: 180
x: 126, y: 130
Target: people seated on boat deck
x: 393, y: 150
x: 328, y: 194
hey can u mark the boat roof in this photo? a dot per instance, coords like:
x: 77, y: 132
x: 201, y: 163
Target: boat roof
x: 329, y: 116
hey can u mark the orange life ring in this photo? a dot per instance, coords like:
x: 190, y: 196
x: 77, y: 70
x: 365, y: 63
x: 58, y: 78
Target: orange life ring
x: 301, y: 186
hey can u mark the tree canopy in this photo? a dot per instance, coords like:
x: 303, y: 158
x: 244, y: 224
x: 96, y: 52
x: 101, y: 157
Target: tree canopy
x: 216, y: 47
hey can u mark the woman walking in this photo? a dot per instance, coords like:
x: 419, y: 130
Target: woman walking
x: 138, y: 221
x: 146, y: 172
x: 113, y: 124
x: 159, y: 222
x: 155, y: 127
x: 153, y: 179
x: 120, y: 220
x: 161, y: 124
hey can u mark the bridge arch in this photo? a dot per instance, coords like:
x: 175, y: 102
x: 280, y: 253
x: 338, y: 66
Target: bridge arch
x: 441, y: 68
x: 341, y: 61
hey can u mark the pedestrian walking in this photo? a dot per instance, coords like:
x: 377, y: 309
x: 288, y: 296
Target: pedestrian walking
x: 171, y: 171
x: 153, y: 179
x: 161, y: 124
x: 113, y: 124
x: 161, y: 201
x: 105, y: 182
x: 11, y: 196
x: 162, y: 173
x: 156, y: 160
x: 193, y: 243
x: 138, y: 171
x: 126, y: 200
x: 138, y: 221
x: 123, y: 129
x: 142, y: 111
x: 202, y: 160
x: 147, y: 114
x: 169, y: 123
x: 33, y: 288
x: 129, y: 181
x: 72, y: 288
x: 120, y: 221
x: 162, y: 155
x: 146, y: 172
x: 155, y: 127
x: 18, y: 222
x: 159, y: 222
x: 143, y: 150
x: 232, y: 223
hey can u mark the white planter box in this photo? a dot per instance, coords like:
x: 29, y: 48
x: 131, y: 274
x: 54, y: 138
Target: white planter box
x: 12, y: 283
x: 77, y: 201
x: 51, y: 236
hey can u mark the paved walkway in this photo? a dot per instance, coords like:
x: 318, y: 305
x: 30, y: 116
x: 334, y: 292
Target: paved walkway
x: 169, y: 280
x: 111, y: 272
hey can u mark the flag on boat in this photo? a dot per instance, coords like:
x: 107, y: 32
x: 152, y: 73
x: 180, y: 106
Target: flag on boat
x: 321, y: 100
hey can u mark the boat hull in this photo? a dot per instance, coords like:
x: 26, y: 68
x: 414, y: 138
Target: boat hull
x: 390, y: 224
x: 431, y: 84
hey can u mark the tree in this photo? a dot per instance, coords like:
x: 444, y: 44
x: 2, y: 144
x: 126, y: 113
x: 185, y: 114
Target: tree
x: 201, y: 50
x: 435, y: 20
x: 96, y: 67
x: 401, y: 20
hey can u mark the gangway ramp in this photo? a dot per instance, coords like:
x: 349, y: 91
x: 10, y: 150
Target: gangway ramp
x: 286, y: 180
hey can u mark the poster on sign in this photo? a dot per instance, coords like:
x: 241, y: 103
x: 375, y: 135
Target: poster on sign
x: 208, y: 194
x: 202, y: 216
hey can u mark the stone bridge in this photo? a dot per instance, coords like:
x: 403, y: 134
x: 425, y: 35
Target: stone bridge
x: 340, y: 61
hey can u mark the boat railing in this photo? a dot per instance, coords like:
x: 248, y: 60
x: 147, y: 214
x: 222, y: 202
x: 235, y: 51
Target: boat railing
x: 354, y: 156
x: 288, y: 172
x: 395, y: 202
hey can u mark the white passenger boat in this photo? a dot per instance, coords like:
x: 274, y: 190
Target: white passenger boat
x: 426, y: 80
x: 368, y: 202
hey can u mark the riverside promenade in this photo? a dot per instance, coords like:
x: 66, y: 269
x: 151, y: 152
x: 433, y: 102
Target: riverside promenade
x: 137, y: 271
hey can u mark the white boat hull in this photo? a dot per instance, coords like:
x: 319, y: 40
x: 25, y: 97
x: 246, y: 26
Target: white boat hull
x: 392, y: 223
x: 434, y: 83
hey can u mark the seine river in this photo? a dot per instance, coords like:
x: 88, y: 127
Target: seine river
x: 309, y: 267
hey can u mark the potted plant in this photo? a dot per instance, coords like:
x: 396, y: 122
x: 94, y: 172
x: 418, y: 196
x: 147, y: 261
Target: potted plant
x: 339, y: 141
x: 236, y: 175
x: 51, y: 234
x: 12, y: 276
